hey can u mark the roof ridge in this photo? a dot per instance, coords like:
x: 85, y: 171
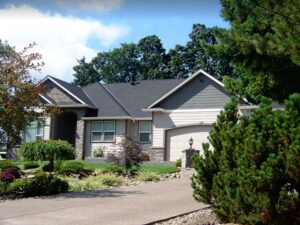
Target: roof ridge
x: 123, y: 107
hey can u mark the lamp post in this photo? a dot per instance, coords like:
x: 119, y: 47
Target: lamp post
x: 191, y: 141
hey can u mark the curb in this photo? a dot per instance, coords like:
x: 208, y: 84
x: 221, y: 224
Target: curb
x: 173, y: 217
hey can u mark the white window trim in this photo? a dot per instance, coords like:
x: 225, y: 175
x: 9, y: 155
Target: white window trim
x: 145, y: 132
x: 37, y: 136
x: 103, y: 132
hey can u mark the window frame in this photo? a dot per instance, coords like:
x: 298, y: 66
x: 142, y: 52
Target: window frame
x: 40, y: 122
x: 103, y: 131
x: 144, y: 132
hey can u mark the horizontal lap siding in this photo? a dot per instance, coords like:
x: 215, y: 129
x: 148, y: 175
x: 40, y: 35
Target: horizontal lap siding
x: 163, y: 121
x: 133, y: 129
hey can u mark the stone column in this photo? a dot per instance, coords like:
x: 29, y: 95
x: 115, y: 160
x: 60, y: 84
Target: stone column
x: 187, y: 154
x: 79, y: 139
x: 157, y: 154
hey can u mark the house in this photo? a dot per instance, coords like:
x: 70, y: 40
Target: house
x: 162, y: 115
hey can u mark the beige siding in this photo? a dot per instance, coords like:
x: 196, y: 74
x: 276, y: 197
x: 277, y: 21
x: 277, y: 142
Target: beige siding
x: 107, y: 147
x: 47, y: 128
x: 166, y: 120
x: 132, y: 129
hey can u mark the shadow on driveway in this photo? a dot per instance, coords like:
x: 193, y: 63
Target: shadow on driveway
x: 103, y: 193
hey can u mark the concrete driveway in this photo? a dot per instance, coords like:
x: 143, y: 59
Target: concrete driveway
x: 125, y: 205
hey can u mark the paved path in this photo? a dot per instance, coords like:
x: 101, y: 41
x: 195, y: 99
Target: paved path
x: 125, y: 205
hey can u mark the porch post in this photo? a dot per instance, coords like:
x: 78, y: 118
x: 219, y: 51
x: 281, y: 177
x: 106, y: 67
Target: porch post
x: 79, y: 139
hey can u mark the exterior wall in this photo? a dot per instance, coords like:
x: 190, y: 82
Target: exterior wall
x: 177, y: 118
x: 47, y: 128
x: 58, y: 95
x: 133, y: 130
x: 200, y: 93
x: 111, y: 147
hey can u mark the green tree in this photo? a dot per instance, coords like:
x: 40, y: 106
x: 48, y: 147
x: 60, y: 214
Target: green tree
x: 253, y: 172
x: 200, y: 52
x: 49, y: 150
x: 153, y: 58
x: 85, y: 73
x: 264, y: 41
x: 18, y: 92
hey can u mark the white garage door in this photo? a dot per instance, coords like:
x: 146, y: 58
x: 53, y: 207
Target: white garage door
x: 178, y: 140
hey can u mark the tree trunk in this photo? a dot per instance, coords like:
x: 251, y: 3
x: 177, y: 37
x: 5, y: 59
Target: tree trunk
x: 10, y: 153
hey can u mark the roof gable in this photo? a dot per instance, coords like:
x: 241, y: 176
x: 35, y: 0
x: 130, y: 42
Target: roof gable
x: 182, y: 84
x: 61, y: 93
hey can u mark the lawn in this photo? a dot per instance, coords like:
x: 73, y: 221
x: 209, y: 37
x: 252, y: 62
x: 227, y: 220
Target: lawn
x: 147, y: 167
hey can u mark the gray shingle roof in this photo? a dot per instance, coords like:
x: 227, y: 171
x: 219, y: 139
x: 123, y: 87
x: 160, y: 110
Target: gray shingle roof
x: 106, y: 104
x: 140, y: 95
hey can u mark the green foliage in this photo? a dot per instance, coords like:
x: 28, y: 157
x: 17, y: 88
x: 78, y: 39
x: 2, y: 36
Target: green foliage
x: 148, y: 60
x: 5, y: 163
x: 264, y: 44
x: 159, y: 169
x: 73, y: 167
x: 130, y: 157
x: 41, y: 184
x: 31, y: 165
x: 200, y: 52
x: 18, y: 93
x: 110, y: 180
x: 98, y: 152
x: 178, y: 162
x: 115, y: 169
x: 148, y: 176
x: 49, y: 150
x: 252, y: 176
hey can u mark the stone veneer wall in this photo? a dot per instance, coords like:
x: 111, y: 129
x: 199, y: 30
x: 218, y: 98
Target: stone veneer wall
x: 79, y: 136
x: 157, y: 154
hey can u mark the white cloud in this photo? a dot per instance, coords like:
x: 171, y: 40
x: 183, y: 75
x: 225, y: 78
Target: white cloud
x: 61, y: 40
x: 101, y: 6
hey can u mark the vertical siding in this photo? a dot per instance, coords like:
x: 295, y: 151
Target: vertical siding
x: 47, y: 128
x: 165, y: 120
x: 107, y: 147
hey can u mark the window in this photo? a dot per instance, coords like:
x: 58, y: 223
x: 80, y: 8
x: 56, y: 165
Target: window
x: 34, y: 131
x: 144, y: 131
x: 103, y: 131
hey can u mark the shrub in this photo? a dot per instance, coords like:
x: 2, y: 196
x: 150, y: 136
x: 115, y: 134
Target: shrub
x: 31, y: 165
x: 9, y: 174
x: 110, y: 180
x: 129, y: 157
x: 49, y: 150
x: 41, y: 184
x: 115, y: 169
x: 148, y: 176
x: 253, y: 174
x: 73, y: 167
x: 7, y: 164
x: 3, y: 188
x: 178, y: 162
x: 98, y: 153
x: 7, y: 177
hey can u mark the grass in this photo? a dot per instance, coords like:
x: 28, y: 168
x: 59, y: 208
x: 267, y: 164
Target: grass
x: 148, y: 167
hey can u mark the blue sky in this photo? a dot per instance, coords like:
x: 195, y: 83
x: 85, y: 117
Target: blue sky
x: 67, y: 30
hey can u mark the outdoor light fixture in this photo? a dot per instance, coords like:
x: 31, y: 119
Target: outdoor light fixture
x: 191, y: 142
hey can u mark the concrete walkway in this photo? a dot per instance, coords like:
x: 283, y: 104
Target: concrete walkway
x: 125, y: 205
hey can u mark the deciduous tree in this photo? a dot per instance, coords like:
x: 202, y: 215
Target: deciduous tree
x: 18, y: 91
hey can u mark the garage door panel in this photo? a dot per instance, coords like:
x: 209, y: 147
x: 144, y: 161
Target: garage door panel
x: 178, y: 140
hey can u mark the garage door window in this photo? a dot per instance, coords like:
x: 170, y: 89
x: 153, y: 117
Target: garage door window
x: 103, y: 131
x: 144, y: 131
